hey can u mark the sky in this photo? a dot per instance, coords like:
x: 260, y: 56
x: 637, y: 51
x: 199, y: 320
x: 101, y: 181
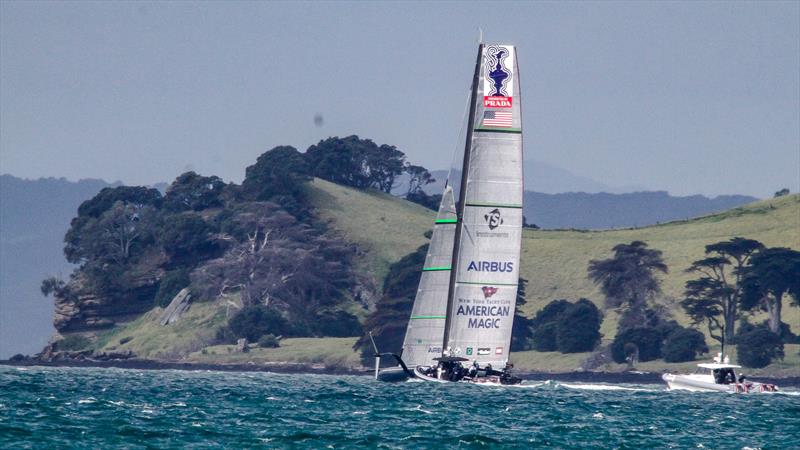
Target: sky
x: 688, y: 97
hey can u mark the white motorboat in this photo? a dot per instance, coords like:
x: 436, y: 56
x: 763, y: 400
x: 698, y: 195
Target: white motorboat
x: 719, y: 376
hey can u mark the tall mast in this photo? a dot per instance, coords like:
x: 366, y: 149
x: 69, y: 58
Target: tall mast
x: 462, y: 199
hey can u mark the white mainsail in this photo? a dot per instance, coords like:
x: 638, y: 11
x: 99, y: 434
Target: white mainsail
x: 485, y: 272
x: 468, y: 288
x: 423, y: 340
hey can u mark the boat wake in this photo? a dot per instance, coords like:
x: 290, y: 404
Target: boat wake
x: 605, y: 387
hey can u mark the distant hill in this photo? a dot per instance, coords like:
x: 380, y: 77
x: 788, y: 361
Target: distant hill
x: 603, y: 211
x: 556, y: 198
x: 34, y: 215
x: 543, y: 177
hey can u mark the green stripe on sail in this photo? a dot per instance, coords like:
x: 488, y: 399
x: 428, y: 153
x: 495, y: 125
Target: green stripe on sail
x: 434, y: 269
x: 447, y: 221
x: 500, y: 130
x: 428, y: 317
x: 494, y: 205
x: 487, y: 284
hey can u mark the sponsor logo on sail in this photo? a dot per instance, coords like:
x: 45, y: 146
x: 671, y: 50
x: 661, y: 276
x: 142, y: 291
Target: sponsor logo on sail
x: 488, y: 291
x: 490, y: 266
x: 482, y: 316
x: 469, y: 351
x: 493, y: 218
x: 498, y: 351
x: 497, y: 87
x: 484, y: 351
x: 434, y: 349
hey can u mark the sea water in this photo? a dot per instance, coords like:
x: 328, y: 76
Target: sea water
x: 112, y: 408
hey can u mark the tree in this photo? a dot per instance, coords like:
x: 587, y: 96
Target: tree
x: 255, y: 321
x: 684, y: 344
x: 118, y: 234
x: 782, y: 192
x: 717, y: 292
x: 356, y: 162
x: 544, y: 325
x: 628, y: 280
x: 54, y: 286
x: 578, y: 327
x: 193, y: 192
x: 110, y: 224
x: 278, y: 176
x: 107, y: 197
x: 770, y: 274
x: 186, y: 239
x: 429, y: 201
x: 282, y: 263
x: 756, y: 346
x: 643, y: 344
x: 522, y: 328
x: 418, y: 177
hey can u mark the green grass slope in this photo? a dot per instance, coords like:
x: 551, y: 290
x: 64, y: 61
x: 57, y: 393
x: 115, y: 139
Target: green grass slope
x: 384, y: 227
x: 555, y: 262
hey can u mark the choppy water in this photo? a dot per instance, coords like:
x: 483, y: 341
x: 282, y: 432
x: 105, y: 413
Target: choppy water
x: 110, y: 408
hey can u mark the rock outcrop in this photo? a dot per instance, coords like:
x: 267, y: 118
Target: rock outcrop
x: 80, y: 309
x: 179, y: 304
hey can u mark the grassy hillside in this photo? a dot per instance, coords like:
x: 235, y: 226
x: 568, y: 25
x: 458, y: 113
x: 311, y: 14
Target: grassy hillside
x: 555, y: 262
x: 386, y: 228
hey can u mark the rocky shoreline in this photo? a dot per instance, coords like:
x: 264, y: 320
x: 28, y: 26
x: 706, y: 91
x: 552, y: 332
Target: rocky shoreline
x: 305, y: 368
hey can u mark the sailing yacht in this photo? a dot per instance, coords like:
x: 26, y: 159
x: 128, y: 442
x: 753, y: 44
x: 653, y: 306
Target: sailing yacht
x: 461, y: 321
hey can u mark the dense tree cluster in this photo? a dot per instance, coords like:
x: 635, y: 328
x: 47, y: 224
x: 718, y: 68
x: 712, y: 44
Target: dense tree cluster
x: 256, y: 246
x: 567, y: 327
x: 735, y: 277
x: 667, y: 339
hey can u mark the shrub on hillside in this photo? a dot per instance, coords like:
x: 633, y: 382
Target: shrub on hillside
x: 74, y: 342
x: 268, y: 341
x: 756, y: 346
x: 252, y: 322
x: 647, y: 342
x: 170, y: 285
x: 339, y: 324
x: 578, y: 327
x: 684, y: 344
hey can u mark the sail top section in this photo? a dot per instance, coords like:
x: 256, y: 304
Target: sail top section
x: 498, y: 106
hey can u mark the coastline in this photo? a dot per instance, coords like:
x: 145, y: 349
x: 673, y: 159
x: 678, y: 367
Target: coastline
x: 635, y: 377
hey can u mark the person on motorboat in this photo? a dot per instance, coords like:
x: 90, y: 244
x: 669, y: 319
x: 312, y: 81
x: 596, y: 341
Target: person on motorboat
x: 473, y: 370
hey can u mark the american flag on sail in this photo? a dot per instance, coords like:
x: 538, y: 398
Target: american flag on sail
x: 497, y: 119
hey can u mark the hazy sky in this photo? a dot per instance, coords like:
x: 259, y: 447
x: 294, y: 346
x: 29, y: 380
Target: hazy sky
x: 687, y: 97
